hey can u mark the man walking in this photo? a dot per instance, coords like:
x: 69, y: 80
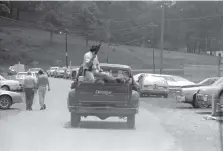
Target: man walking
x: 29, y: 88
x: 42, y: 83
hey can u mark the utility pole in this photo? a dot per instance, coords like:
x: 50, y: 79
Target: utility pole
x: 108, y: 40
x: 162, y: 36
x: 65, y: 31
x: 66, y: 50
x: 108, y: 32
x: 153, y: 50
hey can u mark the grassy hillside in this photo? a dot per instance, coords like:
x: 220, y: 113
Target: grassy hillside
x: 27, y: 45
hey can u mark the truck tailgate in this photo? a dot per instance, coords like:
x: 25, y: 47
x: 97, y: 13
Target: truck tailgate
x: 107, y: 93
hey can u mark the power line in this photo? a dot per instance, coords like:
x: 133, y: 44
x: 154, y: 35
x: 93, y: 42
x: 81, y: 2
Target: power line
x: 136, y: 39
x: 193, y: 18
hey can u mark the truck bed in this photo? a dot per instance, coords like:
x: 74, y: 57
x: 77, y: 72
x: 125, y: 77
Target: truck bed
x: 103, y: 94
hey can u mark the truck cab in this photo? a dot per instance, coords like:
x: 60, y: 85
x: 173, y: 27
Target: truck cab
x: 104, y: 100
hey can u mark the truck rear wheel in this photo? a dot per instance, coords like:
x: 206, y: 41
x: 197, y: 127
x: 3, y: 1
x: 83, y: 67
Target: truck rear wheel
x: 131, y: 121
x: 75, y: 120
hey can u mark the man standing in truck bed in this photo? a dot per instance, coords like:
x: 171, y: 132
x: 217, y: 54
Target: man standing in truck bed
x: 92, y: 68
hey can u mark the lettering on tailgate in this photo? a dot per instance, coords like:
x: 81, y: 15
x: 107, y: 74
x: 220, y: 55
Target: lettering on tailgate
x: 103, y: 92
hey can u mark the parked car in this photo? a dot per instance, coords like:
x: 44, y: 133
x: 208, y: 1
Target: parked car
x: 35, y: 70
x: 59, y: 73
x: 21, y: 76
x: 188, y: 93
x: 68, y: 73
x: 74, y: 73
x: 9, y: 85
x: 11, y: 71
x: 7, y: 98
x: 104, y: 100
x: 136, y: 76
x: 150, y: 85
x: 51, y: 71
x: 175, y: 82
x: 204, y: 94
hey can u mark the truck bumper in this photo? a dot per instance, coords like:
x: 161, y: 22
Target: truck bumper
x: 102, y: 110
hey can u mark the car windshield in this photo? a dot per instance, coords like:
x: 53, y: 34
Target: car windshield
x: 2, y: 78
x: 177, y: 78
x: 117, y: 72
x: 218, y: 82
x: 22, y: 73
x: 34, y: 69
x: 53, y: 68
x: 168, y: 78
x: 208, y: 81
x: 155, y: 80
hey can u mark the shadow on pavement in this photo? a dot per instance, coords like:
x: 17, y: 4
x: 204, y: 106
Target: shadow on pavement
x: 11, y: 109
x: 100, y: 125
x: 185, y: 107
x: 204, y: 112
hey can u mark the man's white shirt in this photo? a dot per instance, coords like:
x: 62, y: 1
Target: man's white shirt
x: 87, y: 58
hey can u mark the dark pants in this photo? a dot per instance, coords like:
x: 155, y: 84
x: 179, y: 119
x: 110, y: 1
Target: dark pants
x: 29, y: 93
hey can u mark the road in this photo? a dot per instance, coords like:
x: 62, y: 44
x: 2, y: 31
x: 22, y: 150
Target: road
x: 160, y: 126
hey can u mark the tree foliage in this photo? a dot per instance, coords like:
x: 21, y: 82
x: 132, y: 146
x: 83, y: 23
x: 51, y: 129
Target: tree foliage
x: 184, y: 22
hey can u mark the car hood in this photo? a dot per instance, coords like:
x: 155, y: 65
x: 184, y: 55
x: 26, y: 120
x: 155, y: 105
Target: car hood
x: 8, y: 93
x: 189, y: 90
x: 179, y: 83
x: 9, y: 82
x: 209, y: 90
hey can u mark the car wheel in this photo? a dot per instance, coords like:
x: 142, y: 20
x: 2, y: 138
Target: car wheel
x: 5, y: 87
x: 165, y: 96
x: 75, y: 120
x: 131, y: 122
x: 201, y: 104
x: 5, y: 102
x: 194, y: 102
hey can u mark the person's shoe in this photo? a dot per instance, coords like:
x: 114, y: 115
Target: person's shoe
x: 44, y: 106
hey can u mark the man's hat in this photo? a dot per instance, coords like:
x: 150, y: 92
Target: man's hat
x: 93, y: 48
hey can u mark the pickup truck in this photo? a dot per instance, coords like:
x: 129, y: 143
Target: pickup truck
x: 104, y: 100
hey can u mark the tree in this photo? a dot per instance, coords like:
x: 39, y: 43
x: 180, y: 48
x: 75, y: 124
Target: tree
x: 87, y: 18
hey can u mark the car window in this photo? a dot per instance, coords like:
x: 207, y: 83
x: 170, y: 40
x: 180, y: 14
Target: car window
x: 34, y: 69
x: 168, y: 78
x: 177, y: 78
x: 22, y: 73
x: 218, y: 82
x: 53, y: 68
x: 117, y: 72
x: 2, y: 78
x: 207, y: 81
x: 151, y: 80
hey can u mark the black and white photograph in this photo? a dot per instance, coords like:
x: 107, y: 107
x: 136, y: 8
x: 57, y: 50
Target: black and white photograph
x: 111, y: 75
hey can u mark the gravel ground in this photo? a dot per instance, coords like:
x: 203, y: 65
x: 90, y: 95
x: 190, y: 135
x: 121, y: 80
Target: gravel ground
x: 186, y: 124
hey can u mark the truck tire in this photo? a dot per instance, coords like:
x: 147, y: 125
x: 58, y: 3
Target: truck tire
x: 75, y: 120
x: 131, y: 122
